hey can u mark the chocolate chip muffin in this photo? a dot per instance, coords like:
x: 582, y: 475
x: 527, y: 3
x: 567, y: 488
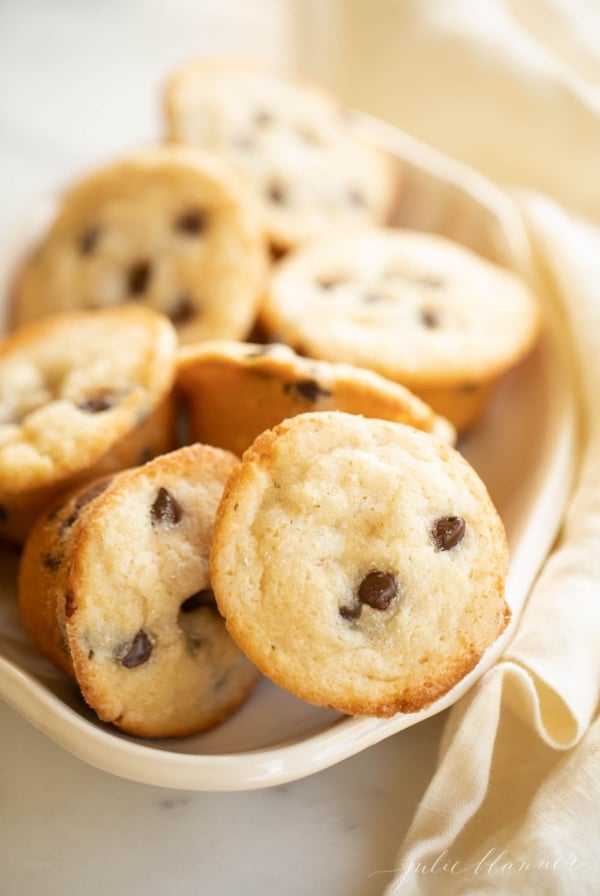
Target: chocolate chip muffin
x: 290, y: 141
x: 359, y: 563
x: 415, y: 307
x: 114, y: 589
x: 234, y: 391
x: 81, y: 394
x: 170, y: 228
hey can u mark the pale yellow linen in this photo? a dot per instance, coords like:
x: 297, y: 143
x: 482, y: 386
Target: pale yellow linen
x: 514, y: 806
x: 512, y: 87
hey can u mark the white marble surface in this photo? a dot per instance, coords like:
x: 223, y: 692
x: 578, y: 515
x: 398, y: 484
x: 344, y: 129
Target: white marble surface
x: 79, y: 84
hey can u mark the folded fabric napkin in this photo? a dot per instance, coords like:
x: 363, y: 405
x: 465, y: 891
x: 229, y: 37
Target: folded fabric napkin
x: 512, y: 88
x: 513, y: 806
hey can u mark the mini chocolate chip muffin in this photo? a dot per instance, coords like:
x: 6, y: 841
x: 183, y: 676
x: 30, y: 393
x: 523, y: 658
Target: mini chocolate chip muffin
x: 359, y: 563
x: 415, y: 307
x: 234, y: 391
x: 114, y: 589
x: 81, y: 394
x: 170, y: 228
x: 290, y: 141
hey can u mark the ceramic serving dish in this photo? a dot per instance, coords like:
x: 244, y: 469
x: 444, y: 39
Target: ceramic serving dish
x: 523, y: 449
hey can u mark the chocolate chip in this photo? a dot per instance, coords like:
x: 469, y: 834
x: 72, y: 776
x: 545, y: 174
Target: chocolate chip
x: 166, y: 510
x: 3, y: 514
x: 139, y: 651
x: 276, y: 193
x: 204, y: 598
x: 95, y: 404
x: 183, y: 311
x: 429, y: 319
x: 309, y: 390
x: 351, y: 612
x: 138, y: 277
x: 192, y: 222
x: 82, y: 500
x: 89, y: 239
x: 92, y: 493
x: 378, y: 589
x: 52, y: 561
x: 277, y: 252
x: 447, y: 532
x: 70, y: 605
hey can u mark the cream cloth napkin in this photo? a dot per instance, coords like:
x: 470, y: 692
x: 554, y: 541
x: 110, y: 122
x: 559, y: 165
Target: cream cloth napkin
x: 512, y: 87
x: 514, y: 806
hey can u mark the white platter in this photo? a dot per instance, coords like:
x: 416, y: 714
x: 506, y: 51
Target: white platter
x: 524, y: 450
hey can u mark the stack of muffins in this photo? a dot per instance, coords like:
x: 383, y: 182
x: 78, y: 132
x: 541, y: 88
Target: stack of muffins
x: 228, y: 406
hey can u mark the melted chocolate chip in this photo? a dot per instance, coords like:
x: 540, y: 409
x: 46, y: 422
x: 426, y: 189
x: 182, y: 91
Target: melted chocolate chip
x: 351, y: 612
x: 138, y: 277
x: 82, y: 500
x: 95, y: 404
x: 3, y: 514
x: 89, y: 239
x: 204, y: 598
x: 165, y: 510
x: 70, y: 605
x: 309, y: 390
x: 277, y: 252
x: 192, y: 222
x: 378, y: 589
x: 139, y: 651
x: 276, y: 193
x: 183, y: 311
x: 447, y: 532
x: 52, y: 561
x: 429, y: 319
x: 92, y: 493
